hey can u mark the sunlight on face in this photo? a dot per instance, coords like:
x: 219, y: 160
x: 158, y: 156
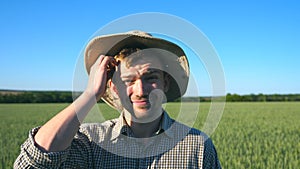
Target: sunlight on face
x: 142, y: 89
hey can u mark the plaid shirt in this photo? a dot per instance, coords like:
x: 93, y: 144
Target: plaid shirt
x: 112, y: 145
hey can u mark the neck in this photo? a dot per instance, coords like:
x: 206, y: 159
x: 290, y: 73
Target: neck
x: 144, y: 130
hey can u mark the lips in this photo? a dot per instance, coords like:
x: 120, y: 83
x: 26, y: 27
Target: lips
x: 140, y: 102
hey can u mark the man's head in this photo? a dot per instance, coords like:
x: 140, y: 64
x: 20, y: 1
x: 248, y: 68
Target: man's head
x: 140, y: 82
x: 167, y: 56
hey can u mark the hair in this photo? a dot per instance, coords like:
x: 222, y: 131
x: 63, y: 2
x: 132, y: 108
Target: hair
x: 122, y: 56
x: 138, y: 53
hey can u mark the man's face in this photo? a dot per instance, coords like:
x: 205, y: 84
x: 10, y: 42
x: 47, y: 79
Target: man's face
x: 142, y: 88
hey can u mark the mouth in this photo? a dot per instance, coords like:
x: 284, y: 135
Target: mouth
x: 141, y: 102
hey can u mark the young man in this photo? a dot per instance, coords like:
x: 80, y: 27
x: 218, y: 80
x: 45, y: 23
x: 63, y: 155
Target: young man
x: 144, y: 73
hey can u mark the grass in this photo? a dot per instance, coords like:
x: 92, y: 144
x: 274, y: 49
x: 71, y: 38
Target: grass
x: 259, y: 135
x: 249, y: 135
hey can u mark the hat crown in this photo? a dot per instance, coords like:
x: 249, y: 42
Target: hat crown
x: 139, y: 33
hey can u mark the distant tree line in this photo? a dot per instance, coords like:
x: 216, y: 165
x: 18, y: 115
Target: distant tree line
x: 36, y: 97
x: 246, y: 98
x: 67, y: 97
x: 262, y: 97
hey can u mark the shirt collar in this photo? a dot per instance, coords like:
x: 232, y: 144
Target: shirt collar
x: 119, y: 128
x: 166, y: 125
x: 122, y: 128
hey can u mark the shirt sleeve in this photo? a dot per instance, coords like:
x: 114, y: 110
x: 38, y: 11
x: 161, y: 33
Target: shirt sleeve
x: 75, y: 156
x: 210, y: 159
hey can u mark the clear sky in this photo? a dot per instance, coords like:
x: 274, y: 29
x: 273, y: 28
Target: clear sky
x: 257, y: 41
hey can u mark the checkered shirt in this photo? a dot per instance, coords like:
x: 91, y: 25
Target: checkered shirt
x: 112, y: 145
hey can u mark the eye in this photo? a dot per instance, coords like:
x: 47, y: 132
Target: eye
x: 152, y: 78
x: 128, y: 81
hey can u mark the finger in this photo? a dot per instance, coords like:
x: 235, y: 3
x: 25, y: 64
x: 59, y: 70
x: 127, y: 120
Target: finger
x: 114, y: 62
x: 99, y: 59
x: 105, y: 61
x: 111, y: 62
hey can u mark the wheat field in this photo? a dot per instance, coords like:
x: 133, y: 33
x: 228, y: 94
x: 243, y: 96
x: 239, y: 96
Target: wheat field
x: 249, y: 135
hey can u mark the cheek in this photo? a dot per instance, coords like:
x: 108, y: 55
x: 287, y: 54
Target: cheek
x: 155, y: 86
x: 129, y: 90
x: 158, y: 85
x: 123, y: 90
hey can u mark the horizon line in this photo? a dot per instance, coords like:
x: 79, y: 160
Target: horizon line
x: 56, y: 90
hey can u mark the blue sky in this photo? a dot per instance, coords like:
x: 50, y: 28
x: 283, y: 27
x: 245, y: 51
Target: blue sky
x: 257, y: 41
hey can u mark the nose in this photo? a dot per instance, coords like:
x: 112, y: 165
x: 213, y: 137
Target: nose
x: 140, y: 88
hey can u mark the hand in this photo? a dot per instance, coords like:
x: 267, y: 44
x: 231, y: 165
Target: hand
x: 98, y: 76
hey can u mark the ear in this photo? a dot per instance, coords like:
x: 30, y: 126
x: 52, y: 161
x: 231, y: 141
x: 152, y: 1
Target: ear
x: 113, y: 89
x: 166, y: 82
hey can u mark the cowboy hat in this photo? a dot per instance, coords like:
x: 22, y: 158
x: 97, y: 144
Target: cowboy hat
x: 111, y: 45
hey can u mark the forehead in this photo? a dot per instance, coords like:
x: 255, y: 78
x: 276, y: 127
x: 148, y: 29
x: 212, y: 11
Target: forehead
x: 140, y: 67
x: 142, y: 58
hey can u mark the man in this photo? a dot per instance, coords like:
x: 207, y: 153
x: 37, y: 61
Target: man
x: 144, y: 73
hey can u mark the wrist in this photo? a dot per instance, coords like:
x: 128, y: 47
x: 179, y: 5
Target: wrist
x: 83, y: 104
x: 91, y: 95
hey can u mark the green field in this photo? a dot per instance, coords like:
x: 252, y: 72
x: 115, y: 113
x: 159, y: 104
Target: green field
x: 249, y: 135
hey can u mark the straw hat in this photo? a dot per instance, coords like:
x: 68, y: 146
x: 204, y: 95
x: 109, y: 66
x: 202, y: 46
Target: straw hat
x: 176, y: 63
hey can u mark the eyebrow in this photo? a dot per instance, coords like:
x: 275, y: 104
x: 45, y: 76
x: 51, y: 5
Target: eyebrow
x: 150, y: 71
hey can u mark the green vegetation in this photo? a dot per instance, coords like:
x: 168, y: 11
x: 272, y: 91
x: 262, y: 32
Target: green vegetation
x: 259, y: 135
x: 16, y: 121
x: 249, y: 135
x: 11, y: 96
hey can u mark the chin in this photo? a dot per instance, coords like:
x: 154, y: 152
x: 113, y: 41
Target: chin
x: 145, y: 115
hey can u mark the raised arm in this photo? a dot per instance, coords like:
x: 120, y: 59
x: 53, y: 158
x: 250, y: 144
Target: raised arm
x: 57, y: 134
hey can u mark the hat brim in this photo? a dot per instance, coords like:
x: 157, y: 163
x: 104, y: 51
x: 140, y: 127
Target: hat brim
x: 111, y: 45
